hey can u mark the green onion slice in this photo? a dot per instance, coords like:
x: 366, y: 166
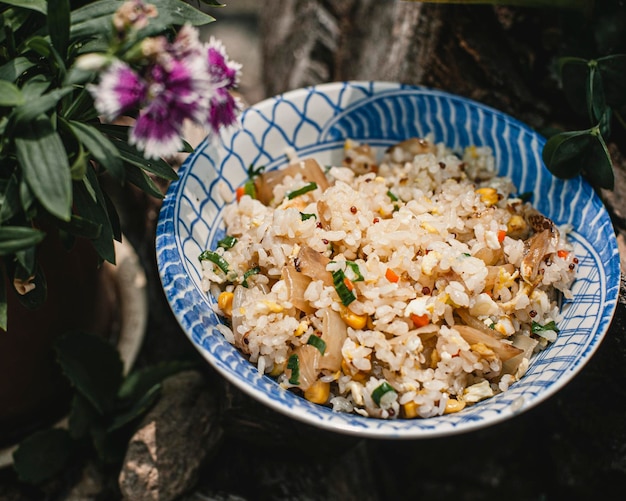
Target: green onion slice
x: 537, y: 328
x: 249, y: 189
x: 378, y: 393
x: 355, y: 271
x: 227, y: 242
x: 294, y: 365
x: 306, y: 216
x: 345, y: 294
x: 318, y: 342
x: 305, y: 189
x: 392, y: 197
x: 252, y: 271
x: 215, y: 258
x: 255, y: 171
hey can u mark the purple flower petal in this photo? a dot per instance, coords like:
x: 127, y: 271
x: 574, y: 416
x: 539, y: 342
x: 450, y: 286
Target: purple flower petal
x: 120, y: 90
x: 155, y: 133
x: 224, y: 110
x: 223, y: 71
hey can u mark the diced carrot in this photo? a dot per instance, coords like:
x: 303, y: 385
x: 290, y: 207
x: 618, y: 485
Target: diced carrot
x: 562, y: 254
x: 240, y: 192
x: 501, y: 235
x: 420, y: 320
x: 348, y: 283
x: 391, y: 275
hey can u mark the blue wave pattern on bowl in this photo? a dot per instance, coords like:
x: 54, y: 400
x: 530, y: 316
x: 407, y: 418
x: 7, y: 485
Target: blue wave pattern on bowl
x: 316, y: 121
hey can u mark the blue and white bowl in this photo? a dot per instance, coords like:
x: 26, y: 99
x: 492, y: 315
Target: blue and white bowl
x: 316, y: 121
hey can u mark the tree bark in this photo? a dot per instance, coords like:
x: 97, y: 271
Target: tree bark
x: 468, y: 50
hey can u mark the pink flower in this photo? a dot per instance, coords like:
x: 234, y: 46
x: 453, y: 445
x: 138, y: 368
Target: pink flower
x: 175, y: 92
x: 224, y: 72
x: 186, y: 80
x: 120, y: 90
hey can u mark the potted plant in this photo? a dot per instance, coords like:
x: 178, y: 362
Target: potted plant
x: 91, y: 93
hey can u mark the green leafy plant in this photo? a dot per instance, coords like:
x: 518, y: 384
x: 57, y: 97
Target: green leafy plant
x: 55, y: 150
x: 106, y: 405
x: 597, y: 86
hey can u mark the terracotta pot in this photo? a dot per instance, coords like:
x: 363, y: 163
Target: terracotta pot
x: 33, y: 391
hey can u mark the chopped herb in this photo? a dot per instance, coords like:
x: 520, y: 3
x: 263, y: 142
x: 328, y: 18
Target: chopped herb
x: 356, y: 272
x: 294, y: 365
x: 255, y: 171
x: 215, y: 258
x: 392, y: 197
x: 305, y: 216
x: 467, y: 254
x: 305, y: 189
x: 492, y: 326
x: 536, y: 328
x: 227, y: 242
x: 345, y: 294
x: 378, y: 393
x: 249, y: 189
x: 252, y: 271
x: 318, y: 342
x: 396, y: 208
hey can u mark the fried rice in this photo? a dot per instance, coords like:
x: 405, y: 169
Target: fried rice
x: 404, y: 283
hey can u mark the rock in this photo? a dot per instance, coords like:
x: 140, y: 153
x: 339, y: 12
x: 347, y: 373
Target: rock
x: 173, y: 440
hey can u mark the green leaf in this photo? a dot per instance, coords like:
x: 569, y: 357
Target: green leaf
x: 40, y: 45
x: 138, y: 382
x: 82, y: 416
x: 158, y: 167
x: 43, y: 455
x: 141, y: 180
x: 599, y: 169
x: 46, y: 169
x: 94, y: 19
x: 102, y: 149
x: 562, y: 153
x: 13, y: 69
x: 571, y: 153
x: 15, y: 238
x: 93, y: 366
x: 81, y: 227
x: 59, y: 24
x: 36, y: 5
x: 96, y: 211
x: 32, y: 109
x: 137, y: 410
x: 10, y: 94
x: 613, y: 68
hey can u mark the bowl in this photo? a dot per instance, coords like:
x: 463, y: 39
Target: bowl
x: 315, y: 121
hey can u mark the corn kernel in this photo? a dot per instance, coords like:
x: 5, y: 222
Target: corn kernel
x: 409, y: 410
x: 352, y: 319
x: 453, y: 405
x: 273, y: 307
x: 318, y: 392
x: 301, y: 329
x: 277, y: 370
x: 225, y: 303
x: 489, y: 196
x: 516, y: 224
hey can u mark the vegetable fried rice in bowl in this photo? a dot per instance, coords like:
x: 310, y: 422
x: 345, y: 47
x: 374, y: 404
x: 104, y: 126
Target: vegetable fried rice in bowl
x: 386, y: 261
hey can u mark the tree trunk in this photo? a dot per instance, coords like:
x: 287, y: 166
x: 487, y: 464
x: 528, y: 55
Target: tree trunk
x: 490, y: 55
